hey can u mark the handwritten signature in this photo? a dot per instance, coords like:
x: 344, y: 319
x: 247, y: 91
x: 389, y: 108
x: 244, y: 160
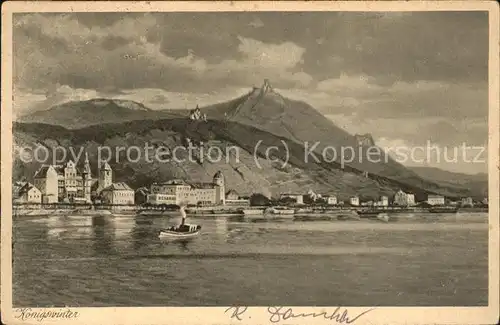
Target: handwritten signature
x: 237, y: 312
x: 277, y: 314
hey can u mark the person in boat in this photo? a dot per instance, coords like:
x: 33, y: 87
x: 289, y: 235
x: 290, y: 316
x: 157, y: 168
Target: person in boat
x: 183, y: 227
x: 182, y: 209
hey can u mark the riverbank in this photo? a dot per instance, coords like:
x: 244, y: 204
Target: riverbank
x: 65, y: 210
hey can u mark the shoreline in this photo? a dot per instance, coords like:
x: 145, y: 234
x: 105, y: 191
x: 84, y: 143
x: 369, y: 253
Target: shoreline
x: 118, y: 211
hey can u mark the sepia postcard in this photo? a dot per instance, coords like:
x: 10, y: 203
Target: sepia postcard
x: 250, y: 162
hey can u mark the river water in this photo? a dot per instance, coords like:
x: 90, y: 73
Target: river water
x: 418, y: 260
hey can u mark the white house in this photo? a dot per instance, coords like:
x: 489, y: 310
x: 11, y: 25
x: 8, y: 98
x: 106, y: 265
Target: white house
x: 435, y: 199
x: 29, y: 194
x: 118, y: 194
x: 467, y: 201
x: 330, y: 199
x: 404, y: 199
x: 46, y: 180
x: 354, y: 201
x: 233, y: 198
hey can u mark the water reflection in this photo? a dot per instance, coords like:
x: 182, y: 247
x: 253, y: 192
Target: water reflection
x: 103, y: 236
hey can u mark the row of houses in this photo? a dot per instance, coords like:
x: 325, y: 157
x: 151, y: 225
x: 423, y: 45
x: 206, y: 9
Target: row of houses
x: 330, y: 199
x: 70, y: 184
x: 400, y: 198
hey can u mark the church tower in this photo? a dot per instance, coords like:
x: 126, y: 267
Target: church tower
x: 87, y: 179
x: 220, y: 190
x: 105, y: 176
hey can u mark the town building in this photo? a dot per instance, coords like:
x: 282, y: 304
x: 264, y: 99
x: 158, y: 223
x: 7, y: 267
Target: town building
x: 467, y: 201
x: 118, y: 194
x: 330, y: 199
x: 63, y: 182
x: 383, y: 202
x: 233, y: 198
x: 354, y: 201
x: 404, y: 199
x: 196, y: 114
x: 180, y: 192
x: 67, y: 183
x: 433, y: 199
x: 104, y: 178
x: 299, y: 198
x: 28, y: 193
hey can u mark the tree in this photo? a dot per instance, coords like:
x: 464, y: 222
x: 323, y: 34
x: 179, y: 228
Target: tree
x: 287, y: 200
x: 258, y: 199
x: 308, y: 199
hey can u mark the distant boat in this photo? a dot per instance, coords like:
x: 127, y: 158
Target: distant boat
x: 375, y: 214
x: 182, y: 232
x: 371, y: 213
x: 252, y: 211
x: 444, y: 209
x: 383, y: 217
x: 348, y: 216
x: 280, y: 211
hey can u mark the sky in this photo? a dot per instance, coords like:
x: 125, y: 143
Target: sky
x: 408, y: 78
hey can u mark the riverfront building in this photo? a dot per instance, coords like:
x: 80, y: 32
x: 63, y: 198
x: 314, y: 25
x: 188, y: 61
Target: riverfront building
x: 118, y: 194
x: 60, y: 183
x: 234, y: 199
x: 404, y: 199
x: 384, y: 202
x: 435, y: 199
x: 354, y: 201
x: 180, y: 192
x: 330, y: 199
x: 67, y: 183
x: 467, y: 202
x: 28, y: 193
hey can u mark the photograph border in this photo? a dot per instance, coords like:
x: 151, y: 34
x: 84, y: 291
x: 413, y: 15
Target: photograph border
x: 257, y: 315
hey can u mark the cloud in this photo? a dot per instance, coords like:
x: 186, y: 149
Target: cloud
x: 283, y: 56
x: 26, y: 102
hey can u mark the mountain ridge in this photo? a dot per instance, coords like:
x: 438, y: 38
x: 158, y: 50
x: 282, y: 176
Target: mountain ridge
x: 246, y: 176
x: 264, y: 109
x: 78, y: 114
